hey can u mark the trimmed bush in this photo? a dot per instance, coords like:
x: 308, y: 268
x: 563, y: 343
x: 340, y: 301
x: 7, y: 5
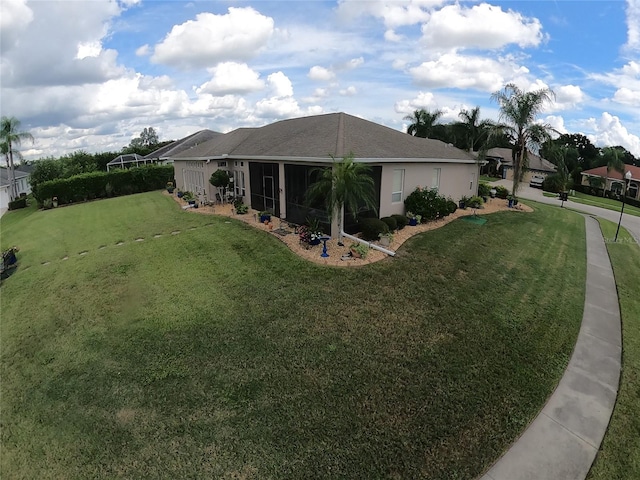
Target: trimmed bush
x: 484, y: 190
x: 92, y: 185
x: 372, y: 228
x: 451, y: 206
x: 475, y: 202
x: 18, y: 203
x: 391, y: 222
x: 426, y: 203
x: 501, y: 192
x: 401, y: 221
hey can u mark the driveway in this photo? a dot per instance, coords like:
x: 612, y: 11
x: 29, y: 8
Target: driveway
x: 630, y: 222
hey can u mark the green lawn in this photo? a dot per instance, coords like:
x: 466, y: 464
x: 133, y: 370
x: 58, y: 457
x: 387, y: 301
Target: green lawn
x: 602, y: 202
x: 217, y: 353
x: 619, y: 455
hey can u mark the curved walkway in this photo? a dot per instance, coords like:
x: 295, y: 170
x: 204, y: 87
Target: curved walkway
x: 562, y: 441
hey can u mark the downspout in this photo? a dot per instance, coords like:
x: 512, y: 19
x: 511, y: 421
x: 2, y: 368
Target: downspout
x: 368, y: 244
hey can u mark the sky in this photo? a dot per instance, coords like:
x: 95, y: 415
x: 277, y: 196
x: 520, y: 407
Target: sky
x: 90, y: 75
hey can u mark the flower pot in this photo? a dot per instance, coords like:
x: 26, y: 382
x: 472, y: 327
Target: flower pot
x: 355, y: 254
x: 413, y: 222
x: 192, y: 202
x: 180, y: 194
x: 462, y: 205
x: 315, y: 241
x: 493, y: 192
x: 510, y: 203
x: 170, y: 190
x: 385, y: 241
x: 265, y: 218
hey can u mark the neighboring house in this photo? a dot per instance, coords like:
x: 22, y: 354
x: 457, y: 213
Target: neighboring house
x: 23, y: 186
x: 502, y: 161
x: 163, y: 155
x: 272, y: 165
x: 613, y: 180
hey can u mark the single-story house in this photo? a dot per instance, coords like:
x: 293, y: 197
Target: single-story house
x: 163, y: 154
x: 23, y: 187
x: 501, y: 160
x: 272, y: 165
x: 613, y: 181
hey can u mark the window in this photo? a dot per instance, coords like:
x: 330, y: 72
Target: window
x: 435, y: 182
x: 239, y: 183
x: 398, y: 184
x: 222, y: 164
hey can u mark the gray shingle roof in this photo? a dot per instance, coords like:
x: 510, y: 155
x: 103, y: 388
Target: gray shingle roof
x: 4, y: 175
x: 320, y: 136
x: 185, y: 143
x: 535, y: 162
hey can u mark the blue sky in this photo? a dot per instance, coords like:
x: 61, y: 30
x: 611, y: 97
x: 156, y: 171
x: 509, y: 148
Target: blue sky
x: 92, y: 74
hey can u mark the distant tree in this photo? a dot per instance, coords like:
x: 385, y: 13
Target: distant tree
x: 345, y: 184
x: 473, y: 131
x: 423, y: 123
x: 612, y: 157
x: 44, y: 170
x: 11, y: 136
x: 518, y: 112
x: 144, y: 144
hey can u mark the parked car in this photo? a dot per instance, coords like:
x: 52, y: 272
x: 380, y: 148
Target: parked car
x: 536, y: 181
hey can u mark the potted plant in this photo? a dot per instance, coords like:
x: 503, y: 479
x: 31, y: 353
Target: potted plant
x: 170, y: 187
x: 54, y: 202
x: 493, y: 192
x: 510, y: 200
x: 414, y: 219
x: 180, y: 193
x: 462, y: 204
x: 265, y: 216
x: 358, y: 250
x: 240, y: 207
x: 386, y: 239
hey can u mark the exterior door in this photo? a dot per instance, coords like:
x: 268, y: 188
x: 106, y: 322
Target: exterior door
x: 269, y: 190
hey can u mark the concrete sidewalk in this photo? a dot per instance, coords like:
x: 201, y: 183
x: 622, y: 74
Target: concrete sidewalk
x: 562, y: 441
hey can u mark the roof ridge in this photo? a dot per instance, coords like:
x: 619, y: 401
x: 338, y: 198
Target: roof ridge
x: 340, y: 136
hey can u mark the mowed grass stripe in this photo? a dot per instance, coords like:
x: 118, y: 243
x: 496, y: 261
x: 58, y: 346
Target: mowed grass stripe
x: 219, y: 353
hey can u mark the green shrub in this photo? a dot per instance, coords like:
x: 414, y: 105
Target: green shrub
x: 501, y: 192
x: 427, y: 203
x: 360, y: 248
x: 18, y: 203
x: 240, y: 207
x: 553, y: 183
x: 484, y: 190
x: 475, y: 202
x: 401, y: 221
x: 451, y: 206
x: 92, y: 185
x: 371, y: 228
x: 391, y: 222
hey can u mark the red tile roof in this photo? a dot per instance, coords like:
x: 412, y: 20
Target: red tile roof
x: 602, y: 172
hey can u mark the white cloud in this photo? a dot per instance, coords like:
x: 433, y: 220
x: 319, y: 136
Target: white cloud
x: 280, y: 85
x: 143, y: 51
x: 556, y: 122
x: 318, y: 95
x: 458, y: 71
x: 392, y: 36
x: 567, y: 97
x: 394, y: 13
x: 238, y: 35
x: 633, y: 25
x: 482, y: 26
x: 231, y: 77
x: 89, y: 49
x: 15, y: 15
x: 627, y: 96
x: 609, y: 131
x: 349, y: 91
x: 320, y: 74
x: 424, y: 100
x: 627, y: 81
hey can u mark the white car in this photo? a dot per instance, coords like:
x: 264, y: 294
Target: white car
x: 536, y: 181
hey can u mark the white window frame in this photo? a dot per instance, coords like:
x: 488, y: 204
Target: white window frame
x: 435, y: 181
x: 397, y: 195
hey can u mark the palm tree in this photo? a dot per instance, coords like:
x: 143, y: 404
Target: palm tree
x: 614, y: 163
x: 346, y: 184
x: 518, y: 111
x: 474, y: 130
x: 11, y: 135
x: 422, y: 122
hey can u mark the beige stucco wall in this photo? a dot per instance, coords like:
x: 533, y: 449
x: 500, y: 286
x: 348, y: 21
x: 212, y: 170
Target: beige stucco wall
x: 456, y: 181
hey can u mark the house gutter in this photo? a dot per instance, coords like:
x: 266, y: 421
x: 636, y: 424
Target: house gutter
x: 391, y: 253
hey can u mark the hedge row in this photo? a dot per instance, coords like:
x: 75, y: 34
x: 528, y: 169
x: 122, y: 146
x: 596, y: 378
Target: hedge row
x: 597, y: 192
x: 88, y: 186
x: 18, y: 203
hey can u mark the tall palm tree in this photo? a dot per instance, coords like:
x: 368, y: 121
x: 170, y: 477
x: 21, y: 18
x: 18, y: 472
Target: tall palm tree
x: 474, y: 130
x: 346, y: 184
x: 518, y: 112
x: 614, y: 163
x: 11, y: 135
x: 422, y: 122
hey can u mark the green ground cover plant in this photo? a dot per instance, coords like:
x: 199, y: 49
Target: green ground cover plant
x: 619, y: 455
x: 201, y: 347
